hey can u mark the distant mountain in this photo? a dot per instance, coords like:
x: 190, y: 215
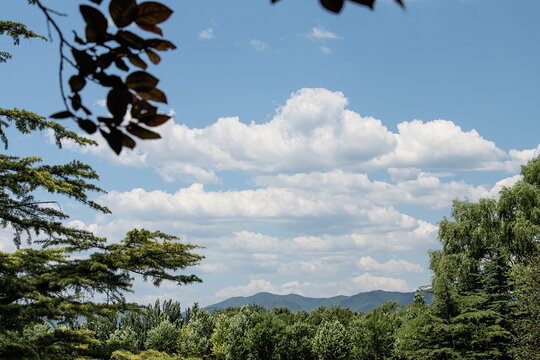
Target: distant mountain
x: 363, y: 302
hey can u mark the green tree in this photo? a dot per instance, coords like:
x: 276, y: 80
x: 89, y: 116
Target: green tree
x: 263, y: 339
x: 297, y: 342
x: 219, y: 336
x: 332, y: 342
x: 64, y: 273
x: 163, y: 337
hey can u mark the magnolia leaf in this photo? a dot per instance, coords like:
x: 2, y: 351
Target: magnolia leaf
x: 141, y: 132
x: 141, y: 81
x: 121, y: 64
x: 77, y: 83
x: 154, y: 58
x: 123, y: 12
x: 61, y: 115
x: 152, y: 13
x: 154, y: 95
x: 160, y: 44
x: 154, y: 119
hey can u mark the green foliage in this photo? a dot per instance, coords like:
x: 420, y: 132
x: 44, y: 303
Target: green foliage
x: 373, y: 334
x: 264, y: 339
x: 196, y: 340
x: 145, y: 355
x: 332, y: 342
x: 163, y: 337
x: 125, y: 339
x: 297, y: 342
x: 219, y: 336
x: 15, y: 31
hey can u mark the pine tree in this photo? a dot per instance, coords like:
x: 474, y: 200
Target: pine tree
x: 62, y: 273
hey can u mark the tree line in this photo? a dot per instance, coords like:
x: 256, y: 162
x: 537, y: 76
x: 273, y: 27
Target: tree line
x: 485, y: 305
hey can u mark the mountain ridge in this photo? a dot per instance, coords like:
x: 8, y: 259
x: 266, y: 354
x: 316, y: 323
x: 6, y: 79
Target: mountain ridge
x: 361, y: 302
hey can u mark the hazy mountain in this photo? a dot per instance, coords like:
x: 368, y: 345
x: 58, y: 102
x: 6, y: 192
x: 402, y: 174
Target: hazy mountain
x: 364, y: 302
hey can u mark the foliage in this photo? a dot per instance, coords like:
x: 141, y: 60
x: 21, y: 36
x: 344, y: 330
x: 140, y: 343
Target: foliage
x: 145, y: 355
x: 16, y: 31
x: 332, y: 342
x: 335, y: 6
x: 163, y: 337
x: 91, y: 57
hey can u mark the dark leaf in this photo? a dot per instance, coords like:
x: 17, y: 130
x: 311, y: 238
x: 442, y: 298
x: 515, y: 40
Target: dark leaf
x: 160, y: 44
x: 117, y: 102
x: 121, y: 64
x: 141, y: 108
x: 154, y: 58
x: 87, y: 125
x: 130, y: 39
x: 154, y: 119
x: 108, y: 80
x: 85, y: 109
x: 401, y: 3
x: 141, y: 132
x: 61, y: 115
x: 77, y: 82
x: 151, y: 28
x: 123, y: 12
x: 368, y: 3
x: 154, y: 95
x: 78, y: 40
x: 137, y: 61
x: 104, y: 60
x: 76, y: 102
x: 114, y: 138
x: 98, y: 2
x: 96, y: 24
x: 333, y: 5
x: 85, y: 62
x: 152, y: 13
x: 127, y: 141
x: 141, y: 81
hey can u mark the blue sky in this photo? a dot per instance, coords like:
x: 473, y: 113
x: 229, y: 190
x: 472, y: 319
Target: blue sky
x: 310, y: 153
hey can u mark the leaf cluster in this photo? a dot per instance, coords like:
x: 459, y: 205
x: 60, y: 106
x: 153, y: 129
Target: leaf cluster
x: 335, y: 6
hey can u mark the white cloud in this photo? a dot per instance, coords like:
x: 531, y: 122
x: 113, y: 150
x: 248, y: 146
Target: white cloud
x: 349, y: 286
x: 206, y: 34
x: 440, y: 144
x: 258, y: 45
x: 325, y: 50
x: 368, y: 263
x: 319, y: 33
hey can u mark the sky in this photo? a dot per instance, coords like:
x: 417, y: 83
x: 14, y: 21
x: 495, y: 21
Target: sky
x: 309, y: 152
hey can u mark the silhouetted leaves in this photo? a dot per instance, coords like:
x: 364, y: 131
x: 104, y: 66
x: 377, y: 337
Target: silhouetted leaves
x: 160, y: 44
x: 123, y: 12
x: 114, y: 139
x: 87, y: 125
x: 96, y: 24
x: 141, y: 81
x: 117, y: 102
x: 140, y: 132
x: 152, y: 13
x: 154, y: 95
x: 154, y: 119
x: 61, y: 115
x: 77, y: 82
x: 154, y: 58
x: 335, y: 6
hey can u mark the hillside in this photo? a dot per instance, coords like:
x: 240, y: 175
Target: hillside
x: 363, y: 302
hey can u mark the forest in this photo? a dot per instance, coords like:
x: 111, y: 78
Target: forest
x: 63, y: 295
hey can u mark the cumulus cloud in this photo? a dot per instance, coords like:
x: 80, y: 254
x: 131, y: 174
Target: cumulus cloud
x: 206, y: 34
x: 368, y: 263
